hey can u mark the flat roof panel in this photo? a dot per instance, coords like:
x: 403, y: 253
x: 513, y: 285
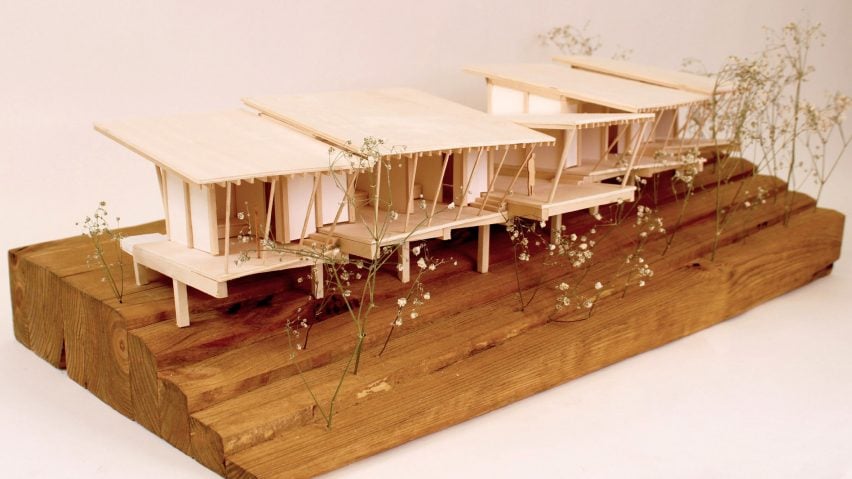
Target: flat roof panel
x: 222, y: 146
x: 401, y: 117
x: 580, y: 85
x: 650, y: 74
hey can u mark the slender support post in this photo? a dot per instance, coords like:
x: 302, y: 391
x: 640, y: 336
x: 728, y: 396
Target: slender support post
x: 466, y: 184
x: 377, y: 197
x: 686, y: 120
x: 410, y: 199
x: 181, y: 303
x: 605, y: 153
x: 531, y: 154
x: 269, y: 208
x: 227, y: 225
x: 483, y: 248
x: 555, y: 228
x: 311, y: 205
x: 438, y: 188
x: 348, y: 198
x: 570, y: 141
x: 671, y: 129
x: 318, y: 280
x: 318, y: 219
x: 629, y: 171
x: 404, y: 271
x: 141, y: 274
x: 493, y: 180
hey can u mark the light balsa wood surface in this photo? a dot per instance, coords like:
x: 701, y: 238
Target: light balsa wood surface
x: 558, y: 121
x: 646, y: 73
x: 554, y: 80
x: 409, y: 121
x: 206, y: 148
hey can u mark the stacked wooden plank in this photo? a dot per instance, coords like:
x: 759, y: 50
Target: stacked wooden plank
x: 227, y: 391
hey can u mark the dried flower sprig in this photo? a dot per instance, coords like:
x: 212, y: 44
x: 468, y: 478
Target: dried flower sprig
x: 96, y: 228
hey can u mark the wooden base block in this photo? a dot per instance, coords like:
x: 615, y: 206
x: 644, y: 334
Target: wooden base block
x: 227, y: 390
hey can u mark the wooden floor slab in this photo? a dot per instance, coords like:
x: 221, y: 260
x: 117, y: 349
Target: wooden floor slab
x: 227, y: 391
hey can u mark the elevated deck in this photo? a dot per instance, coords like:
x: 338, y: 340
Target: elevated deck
x: 614, y: 166
x: 568, y: 198
x: 359, y: 238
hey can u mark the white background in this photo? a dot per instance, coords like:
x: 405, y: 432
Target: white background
x: 768, y: 394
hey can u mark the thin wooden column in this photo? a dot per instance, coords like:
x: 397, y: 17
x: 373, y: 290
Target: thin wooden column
x: 318, y: 280
x: 555, y: 228
x: 483, y: 248
x: 227, y: 225
x: 311, y: 204
x: 438, y: 189
x: 269, y: 208
x: 517, y: 174
x: 570, y: 141
x: 404, y: 271
x: 627, y: 174
x: 410, y: 198
x: 181, y: 303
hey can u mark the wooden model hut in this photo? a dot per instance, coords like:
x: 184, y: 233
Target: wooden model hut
x: 436, y: 153
x: 554, y: 88
x: 230, y: 181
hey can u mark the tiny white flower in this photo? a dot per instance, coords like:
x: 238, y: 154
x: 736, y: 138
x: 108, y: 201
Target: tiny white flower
x: 413, y: 315
x: 598, y: 285
x: 641, y: 283
x: 401, y: 302
x: 542, y: 224
x: 451, y: 205
x: 432, y: 267
x: 421, y: 263
x: 397, y: 322
x: 394, y: 215
x: 416, y: 250
x: 399, y: 267
x: 563, y: 286
x: 427, y: 296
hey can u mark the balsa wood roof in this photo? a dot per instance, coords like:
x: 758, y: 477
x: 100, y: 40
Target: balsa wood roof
x: 218, y: 147
x: 562, y: 121
x: 550, y: 79
x: 419, y: 122
x: 649, y: 74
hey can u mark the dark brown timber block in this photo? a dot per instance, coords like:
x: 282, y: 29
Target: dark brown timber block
x: 226, y: 390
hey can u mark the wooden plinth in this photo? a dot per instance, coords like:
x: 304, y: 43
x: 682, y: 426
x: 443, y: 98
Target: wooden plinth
x: 226, y: 391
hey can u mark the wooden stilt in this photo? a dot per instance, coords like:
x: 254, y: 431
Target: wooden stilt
x: 404, y: 271
x: 141, y: 274
x: 227, y: 225
x: 318, y: 280
x: 181, y: 303
x: 483, y: 249
x: 555, y: 228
